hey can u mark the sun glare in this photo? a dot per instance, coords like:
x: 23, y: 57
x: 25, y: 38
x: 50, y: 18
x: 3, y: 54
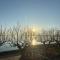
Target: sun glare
x: 33, y: 42
x: 36, y: 29
x: 33, y: 29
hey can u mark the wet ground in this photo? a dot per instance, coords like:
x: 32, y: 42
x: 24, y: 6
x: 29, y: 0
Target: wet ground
x: 32, y: 53
x: 10, y: 55
x: 11, y: 58
x: 39, y: 53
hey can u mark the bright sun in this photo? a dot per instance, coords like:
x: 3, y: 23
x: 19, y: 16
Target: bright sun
x: 36, y: 29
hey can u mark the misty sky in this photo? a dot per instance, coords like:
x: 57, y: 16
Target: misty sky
x: 43, y: 13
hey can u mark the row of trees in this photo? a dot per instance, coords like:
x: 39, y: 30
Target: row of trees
x: 18, y: 34
x: 50, y: 37
x: 9, y: 34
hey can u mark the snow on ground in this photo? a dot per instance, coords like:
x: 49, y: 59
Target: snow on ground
x: 8, y: 46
